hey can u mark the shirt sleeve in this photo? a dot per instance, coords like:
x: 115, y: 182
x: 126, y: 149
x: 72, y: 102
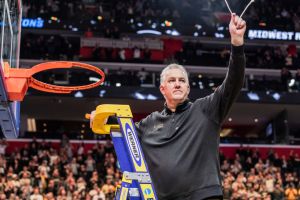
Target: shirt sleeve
x: 142, y: 126
x: 218, y: 104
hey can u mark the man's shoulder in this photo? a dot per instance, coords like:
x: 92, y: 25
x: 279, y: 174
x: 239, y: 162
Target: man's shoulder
x: 150, y: 118
x: 201, y: 101
x: 153, y: 115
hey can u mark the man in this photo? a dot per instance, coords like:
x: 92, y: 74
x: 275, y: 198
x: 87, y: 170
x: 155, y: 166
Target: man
x: 181, y: 143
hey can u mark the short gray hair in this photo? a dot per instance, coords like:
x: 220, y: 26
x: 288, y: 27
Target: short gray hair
x: 172, y: 66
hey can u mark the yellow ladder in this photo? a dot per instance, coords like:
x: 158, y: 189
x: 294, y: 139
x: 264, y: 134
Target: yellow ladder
x: 136, y: 180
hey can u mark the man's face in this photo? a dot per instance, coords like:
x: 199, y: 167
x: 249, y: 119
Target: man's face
x: 175, y: 86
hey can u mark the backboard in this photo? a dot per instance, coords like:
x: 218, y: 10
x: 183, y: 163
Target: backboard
x: 10, y: 33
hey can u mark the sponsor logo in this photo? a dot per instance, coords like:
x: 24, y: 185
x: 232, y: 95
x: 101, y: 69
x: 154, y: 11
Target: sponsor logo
x: 32, y: 23
x: 273, y: 35
x: 147, y: 191
x: 133, y: 144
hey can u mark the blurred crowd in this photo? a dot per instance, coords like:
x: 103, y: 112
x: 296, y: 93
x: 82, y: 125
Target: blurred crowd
x: 48, y: 47
x: 266, y: 57
x: 40, y: 171
x: 55, y: 47
x: 112, y: 16
x: 282, y: 14
x: 248, y: 176
x: 279, y: 14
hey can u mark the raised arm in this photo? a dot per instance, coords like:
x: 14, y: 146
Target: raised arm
x: 217, y: 105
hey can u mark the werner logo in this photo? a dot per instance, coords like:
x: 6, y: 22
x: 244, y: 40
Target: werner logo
x: 132, y: 141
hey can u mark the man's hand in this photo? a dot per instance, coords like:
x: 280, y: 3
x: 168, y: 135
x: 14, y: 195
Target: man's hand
x: 91, y: 117
x: 237, y: 28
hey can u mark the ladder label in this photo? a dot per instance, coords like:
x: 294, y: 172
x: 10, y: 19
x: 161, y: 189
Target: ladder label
x: 134, y: 147
x: 132, y: 141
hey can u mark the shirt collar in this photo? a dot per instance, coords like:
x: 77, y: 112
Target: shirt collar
x: 180, y: 107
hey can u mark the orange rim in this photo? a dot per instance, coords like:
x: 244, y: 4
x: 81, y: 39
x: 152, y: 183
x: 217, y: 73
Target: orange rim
x: 34, y: 83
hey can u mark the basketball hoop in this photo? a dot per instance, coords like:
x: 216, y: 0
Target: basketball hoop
x: 18, y: 80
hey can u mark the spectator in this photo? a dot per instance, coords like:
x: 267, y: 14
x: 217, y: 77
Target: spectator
x: 36, y: 194
x: 225, y: 166
x: 278, y: 193
x: 291, y: 192
x: 136, y: 54
x: 64, y: 140
x: 3, y: 146
x: 270, y: 183
x: 122, y: 54
x: 90, y: 164
x: 49, y: 196
x: 227, y: 190
x: 96, y: 193
x: 51, y: 188
x: 62, y: 194
x: 53, y: 156
x: 108, y: 188
x: 81, y: 186
x: 80, y: 150
x: 143, y: 75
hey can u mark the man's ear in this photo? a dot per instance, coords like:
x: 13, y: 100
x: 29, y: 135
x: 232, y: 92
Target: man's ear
x: 162, y: 89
